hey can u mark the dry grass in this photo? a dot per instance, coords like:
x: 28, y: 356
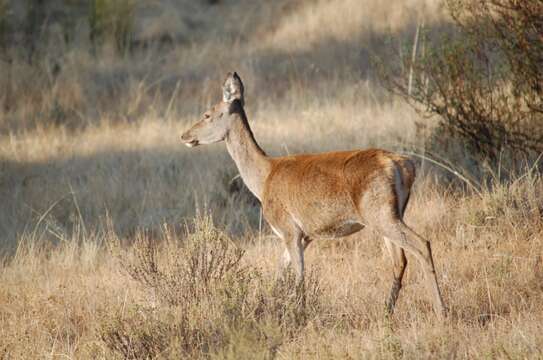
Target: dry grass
x: 107, y: 255
x: 342, y: 20
x: 177, y: 295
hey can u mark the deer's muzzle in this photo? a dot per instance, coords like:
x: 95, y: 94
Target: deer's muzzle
x: 189, y: 140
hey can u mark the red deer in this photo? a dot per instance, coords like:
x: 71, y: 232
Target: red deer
x: 310, y: 196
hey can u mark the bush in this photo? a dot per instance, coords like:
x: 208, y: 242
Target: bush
x: 485, y: 81
x: 207, y: 302
x: 137, y: 336
x: 192, y: 268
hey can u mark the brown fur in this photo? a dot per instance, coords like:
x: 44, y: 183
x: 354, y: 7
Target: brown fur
x: 322, y: 190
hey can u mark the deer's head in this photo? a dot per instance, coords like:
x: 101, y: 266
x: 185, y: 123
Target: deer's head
x: 217, y: 121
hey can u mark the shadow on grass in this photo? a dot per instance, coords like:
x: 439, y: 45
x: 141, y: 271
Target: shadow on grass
x: 132, y: 190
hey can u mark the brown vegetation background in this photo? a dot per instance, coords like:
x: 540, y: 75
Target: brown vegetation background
x: 106, y: 243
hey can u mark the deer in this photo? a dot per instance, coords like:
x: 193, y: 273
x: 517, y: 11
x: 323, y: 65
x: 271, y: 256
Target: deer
x: 325, y: 195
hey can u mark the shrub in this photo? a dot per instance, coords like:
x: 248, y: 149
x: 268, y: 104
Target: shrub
x: 191, y: 268
x: 137, y: 336
x: 485, y: 81
x: 209, y: 304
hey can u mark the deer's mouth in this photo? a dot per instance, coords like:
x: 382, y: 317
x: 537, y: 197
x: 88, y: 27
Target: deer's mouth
x: 188, y: 140
x: 191, y: 143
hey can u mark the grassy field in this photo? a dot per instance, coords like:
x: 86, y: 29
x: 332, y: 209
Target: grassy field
x: 107, y: 222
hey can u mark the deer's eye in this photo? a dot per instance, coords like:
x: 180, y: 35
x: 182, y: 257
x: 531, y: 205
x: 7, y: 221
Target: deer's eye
x: 207, y: 116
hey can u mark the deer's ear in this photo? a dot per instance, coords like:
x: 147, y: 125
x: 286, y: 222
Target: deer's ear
x: 232, y: 88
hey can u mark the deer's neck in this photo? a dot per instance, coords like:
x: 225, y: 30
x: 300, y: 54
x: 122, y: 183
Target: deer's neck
x: 252, y: 162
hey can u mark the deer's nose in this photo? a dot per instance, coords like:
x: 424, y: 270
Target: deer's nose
x: 186, y: 137
x: 189, y: 140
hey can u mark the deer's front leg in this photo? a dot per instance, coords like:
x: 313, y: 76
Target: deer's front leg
x: 292, y: 236
x: 285, y: 260
x: 295, y: 251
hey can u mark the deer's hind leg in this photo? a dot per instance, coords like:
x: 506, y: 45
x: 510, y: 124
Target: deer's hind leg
x: 399, y: 263
x: 401, y: 235
x: 397, y: 254
x: 385, y: 213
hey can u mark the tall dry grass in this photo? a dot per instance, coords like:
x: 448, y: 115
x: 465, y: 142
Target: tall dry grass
x: 175, y: 294
x: 102, y: 258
